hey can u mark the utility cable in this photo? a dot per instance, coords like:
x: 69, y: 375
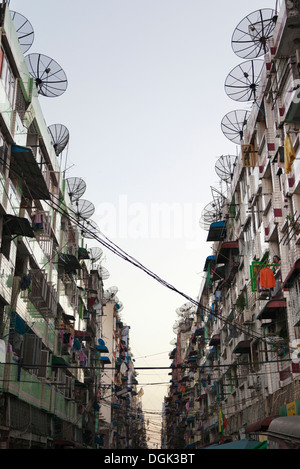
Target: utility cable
x: 121, y: 253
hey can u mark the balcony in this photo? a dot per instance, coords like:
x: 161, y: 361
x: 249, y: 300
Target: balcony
x: 42, y: 294
x: 24, y: 165
x: 15, y: 226
x: 272, y: 308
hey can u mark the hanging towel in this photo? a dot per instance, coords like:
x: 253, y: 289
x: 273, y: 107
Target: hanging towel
x: 267, y: 278
x: 289, y: 154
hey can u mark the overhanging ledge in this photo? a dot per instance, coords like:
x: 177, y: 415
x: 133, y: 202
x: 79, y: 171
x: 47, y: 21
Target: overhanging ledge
x: 292, y: 275
x: 271, y: 308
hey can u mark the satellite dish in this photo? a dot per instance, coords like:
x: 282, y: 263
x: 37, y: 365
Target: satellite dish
x: 186, y: 310
x: 176, y: 327
x: 95, y: 254
x: 24, y: 30
x: 103, y: 272
x: 218, y: 196
x: 50, y: 79
x: 89, y: 229
x: 76, y: 187
x: 60, y: 137
x: 110, y: 293
x: 83, y: 208
x: 233, y: 125
x: 242, y: 82
x: 250, y: 37
x: 225, y: 167
x: 211, y: 213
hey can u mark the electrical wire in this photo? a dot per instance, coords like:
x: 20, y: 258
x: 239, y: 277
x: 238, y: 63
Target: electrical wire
x: 106, y: 242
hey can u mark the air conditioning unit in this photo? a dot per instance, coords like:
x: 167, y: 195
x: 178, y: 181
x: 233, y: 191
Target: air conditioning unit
x: 248, y: 319
x: 252, y: 382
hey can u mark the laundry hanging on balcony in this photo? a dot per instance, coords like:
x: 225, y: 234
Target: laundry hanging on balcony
x: 267, y: 278
x: 39, y: 223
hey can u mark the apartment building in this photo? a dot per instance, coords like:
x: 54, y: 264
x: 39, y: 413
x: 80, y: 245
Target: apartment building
x: 52, y: 295
x: 245, y: 334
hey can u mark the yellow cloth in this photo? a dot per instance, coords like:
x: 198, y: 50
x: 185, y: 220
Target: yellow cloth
x: 289, y: 154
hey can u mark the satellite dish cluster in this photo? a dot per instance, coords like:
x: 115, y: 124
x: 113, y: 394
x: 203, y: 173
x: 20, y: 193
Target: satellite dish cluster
x: 186, y: 313
x: 82, y: 210
x: 49, y: 77
x: 249, y: 42
x: 51, y: 82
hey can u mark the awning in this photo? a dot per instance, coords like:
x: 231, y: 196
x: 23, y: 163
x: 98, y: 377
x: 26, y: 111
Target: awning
x: 66, y: 317
x: 261, y: 425
x: 217, y: 231
x: 24, y: 165
x: 223, y: 255
x: 273, y: 307
x: 16, y: 226
x: 69, y: 262
x: 219, y: 273
x: 192, y: 359
x: 83, y: 335
x: 292, y: 275
x: 199, y: 331
x: 59, y: 361
x: 105, y: 360
x: 242, y: 347
x: 209, y: 260
x: 190, y: 419
x: 215, y: 340
x: 101, y: 347
x: 83, y: 253
x: 286, y: 428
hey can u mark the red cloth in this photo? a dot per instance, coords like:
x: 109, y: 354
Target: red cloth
x: 267, y: 278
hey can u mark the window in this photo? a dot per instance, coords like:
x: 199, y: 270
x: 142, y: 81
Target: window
x: 31, y: 352
x: 3, y: 156
x: 5, y: 242
x: 7, y: 77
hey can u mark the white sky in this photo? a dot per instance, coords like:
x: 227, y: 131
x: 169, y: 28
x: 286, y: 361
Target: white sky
x: 144, y: 104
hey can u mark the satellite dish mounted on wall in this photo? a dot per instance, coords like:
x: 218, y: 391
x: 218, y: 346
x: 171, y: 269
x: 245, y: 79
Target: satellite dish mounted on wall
x: 176, y: 327
x: 24, y: 31
x: 76, y: 187
x: 225, y: 167
x: 242, y: 82
x: 95, y: 254
x: 233, y: 125
x: 110, y: 293
x: 218, y: 196
x: 103, y: 272
x: 60, y: 137
x: 211, y: 213
x: 50, y: 79
x: 251, y: 35
x: 89, y: 229
x: 186, y: 310
x: 83, y: 208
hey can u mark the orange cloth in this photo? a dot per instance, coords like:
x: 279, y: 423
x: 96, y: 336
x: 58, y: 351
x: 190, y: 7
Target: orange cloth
x: 267, y: 278
x: 289, y: 154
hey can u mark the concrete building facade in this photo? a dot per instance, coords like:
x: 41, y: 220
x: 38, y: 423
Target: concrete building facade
x: 52, y: 296
x: 245, y: 335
